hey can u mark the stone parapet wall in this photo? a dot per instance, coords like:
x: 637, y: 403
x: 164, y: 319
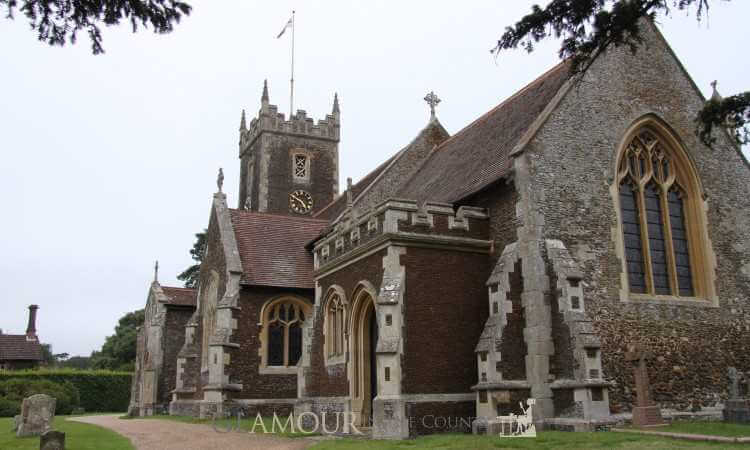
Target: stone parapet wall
x: 403, y: 219
x: 269, y: 119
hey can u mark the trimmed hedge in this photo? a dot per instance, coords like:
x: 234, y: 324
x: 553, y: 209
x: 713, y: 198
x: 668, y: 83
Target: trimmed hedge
x: 14, y: 390
x: 99, y: 390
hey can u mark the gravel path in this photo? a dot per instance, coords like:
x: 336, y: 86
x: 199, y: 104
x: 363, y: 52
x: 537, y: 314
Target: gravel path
x: 148, y: 434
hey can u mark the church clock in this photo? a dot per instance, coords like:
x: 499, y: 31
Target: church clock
x: 300, y: 202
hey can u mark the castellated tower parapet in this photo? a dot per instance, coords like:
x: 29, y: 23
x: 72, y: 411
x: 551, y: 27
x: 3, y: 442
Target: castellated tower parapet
x: 288, y: 166
x: 271, y: 120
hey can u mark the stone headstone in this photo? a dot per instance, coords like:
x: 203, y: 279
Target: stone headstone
x: 52, y: 440
x: 734, y: 383
x: 16, y: 422
x: 736, y: 408
x: 37, y: 413
x: 645, y: 412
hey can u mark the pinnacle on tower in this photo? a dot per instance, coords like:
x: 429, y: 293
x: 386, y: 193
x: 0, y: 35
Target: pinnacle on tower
x: 264, y: 97
x: 349, y: 199
x: 336, y: 110
x: 243, y: 125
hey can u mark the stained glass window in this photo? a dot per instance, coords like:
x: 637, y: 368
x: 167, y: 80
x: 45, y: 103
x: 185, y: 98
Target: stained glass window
x: 652, y: 210
x: 284, y: 333
x: 335, y: 321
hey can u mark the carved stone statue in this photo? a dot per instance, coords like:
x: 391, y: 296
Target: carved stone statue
x: 220, y: 179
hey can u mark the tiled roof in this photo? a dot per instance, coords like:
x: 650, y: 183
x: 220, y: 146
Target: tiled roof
x: 16, y: 347
x: 336, y: 207
x: 180, y: 296
x: 272, y: 248
x: 479, y: 154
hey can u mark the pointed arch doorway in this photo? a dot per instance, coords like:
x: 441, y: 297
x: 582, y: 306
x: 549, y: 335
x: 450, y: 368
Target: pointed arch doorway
x: 363, y: 330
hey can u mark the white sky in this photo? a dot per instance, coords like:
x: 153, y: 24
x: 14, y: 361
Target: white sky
x: 109, y: 162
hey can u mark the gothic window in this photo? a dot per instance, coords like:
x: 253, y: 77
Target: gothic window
x: 335, y: 323
x: 301, y: 167
x: 659, y: 240
x: 283, y: 332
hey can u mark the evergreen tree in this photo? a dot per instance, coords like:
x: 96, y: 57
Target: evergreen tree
x: 191, y: 275
x: 118, y: 351
x: 59, y: 21
x: 589, y: 27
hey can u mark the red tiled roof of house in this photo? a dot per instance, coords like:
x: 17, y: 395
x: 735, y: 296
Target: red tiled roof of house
x: 272, y: 248
x: 479, y: 154
x: 14, y: 347
x: 180, y: 296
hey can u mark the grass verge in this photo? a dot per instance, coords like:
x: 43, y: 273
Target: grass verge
x: 78, y: 436
x: 246, y: 424
x: 544, y: 440
x: 709, y: 428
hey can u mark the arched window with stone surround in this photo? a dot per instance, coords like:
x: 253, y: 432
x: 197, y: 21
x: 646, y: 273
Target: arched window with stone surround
x: 335, y: 324
x: 281, y: 335
x: 662, y: 223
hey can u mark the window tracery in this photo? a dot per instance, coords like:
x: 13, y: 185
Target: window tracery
x: 335, y: 324
x: 281, y: 333
x: 653, y: 210
x: 285, y: 321
x: 301, y: 166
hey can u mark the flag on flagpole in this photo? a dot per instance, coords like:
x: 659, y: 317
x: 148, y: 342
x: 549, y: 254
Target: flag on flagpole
x: 288, y: 25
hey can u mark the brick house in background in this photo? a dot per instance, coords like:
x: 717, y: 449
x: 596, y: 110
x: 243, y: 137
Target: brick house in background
x: 514, y: 259
x: 21, y: 351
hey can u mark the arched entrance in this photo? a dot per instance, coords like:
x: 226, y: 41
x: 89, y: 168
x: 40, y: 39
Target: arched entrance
x: 363, y: 377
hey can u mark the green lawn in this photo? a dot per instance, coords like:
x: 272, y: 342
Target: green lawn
x: 78, y: 436
x: 245, y: 424
x: 710, y: 428
x: 544, y: 440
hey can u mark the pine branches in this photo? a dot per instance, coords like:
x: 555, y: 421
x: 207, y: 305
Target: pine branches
x: 589, y: 27
x: 58, y: 22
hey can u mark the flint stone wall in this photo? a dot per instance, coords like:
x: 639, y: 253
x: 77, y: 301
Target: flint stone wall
x: 571, y: 170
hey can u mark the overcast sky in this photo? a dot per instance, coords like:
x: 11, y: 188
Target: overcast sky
x: 109, y: 162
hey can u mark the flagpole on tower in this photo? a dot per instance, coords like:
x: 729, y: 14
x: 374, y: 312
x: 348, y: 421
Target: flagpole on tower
x: 291, y: 80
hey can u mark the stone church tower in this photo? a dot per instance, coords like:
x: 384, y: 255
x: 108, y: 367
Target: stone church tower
x: 288, y: 166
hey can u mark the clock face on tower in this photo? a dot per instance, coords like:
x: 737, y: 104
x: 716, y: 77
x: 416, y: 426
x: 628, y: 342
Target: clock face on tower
x: 300, y: 201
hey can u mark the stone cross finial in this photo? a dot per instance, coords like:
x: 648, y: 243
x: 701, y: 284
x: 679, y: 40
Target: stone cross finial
x: 156, y: 271
x: 433, y: 101
x: 220, y: 179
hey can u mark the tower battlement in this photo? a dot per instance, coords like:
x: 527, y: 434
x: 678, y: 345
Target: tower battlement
x: 269, y: 119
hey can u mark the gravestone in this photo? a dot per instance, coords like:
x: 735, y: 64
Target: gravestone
x: 737, y: 406
x: 37, y: 413
x: 16, y: 422
x: 52, y: 440
x: 645, y: 412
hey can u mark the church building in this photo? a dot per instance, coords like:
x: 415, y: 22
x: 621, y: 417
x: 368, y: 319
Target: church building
x: 515, y: 259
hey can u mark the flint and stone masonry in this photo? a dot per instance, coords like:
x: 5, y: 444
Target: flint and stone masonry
x: 475, y: 270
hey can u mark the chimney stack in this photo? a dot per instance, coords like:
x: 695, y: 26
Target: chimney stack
x: 31, y: 329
